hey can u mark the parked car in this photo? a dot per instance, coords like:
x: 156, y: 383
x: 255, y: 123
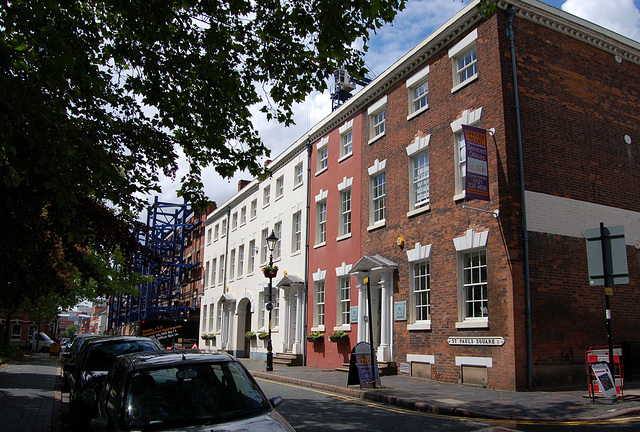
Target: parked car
x: 93, y: 361
x: 69, y: 356
x: 180, y: 390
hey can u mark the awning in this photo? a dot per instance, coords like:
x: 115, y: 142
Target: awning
x: 289, y: 280
x: 371, y: 264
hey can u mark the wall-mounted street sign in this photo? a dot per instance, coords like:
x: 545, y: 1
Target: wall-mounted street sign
x: 400, y: 310
x: 607, y: 256
x: 482, y: 341
x: 477, y: 176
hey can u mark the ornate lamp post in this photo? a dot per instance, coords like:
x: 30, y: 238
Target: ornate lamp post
x: 270, y: 272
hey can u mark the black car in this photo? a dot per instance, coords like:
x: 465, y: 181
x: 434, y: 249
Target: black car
x: 184, y: 390
x: 93, y: 362
x: 71, y: 353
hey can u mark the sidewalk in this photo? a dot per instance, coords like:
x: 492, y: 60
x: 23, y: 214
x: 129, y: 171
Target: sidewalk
x: 461, y: 400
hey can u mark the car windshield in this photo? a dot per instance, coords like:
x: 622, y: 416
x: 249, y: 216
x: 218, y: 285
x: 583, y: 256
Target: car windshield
x: 102, y: 355
x: 187, y: 395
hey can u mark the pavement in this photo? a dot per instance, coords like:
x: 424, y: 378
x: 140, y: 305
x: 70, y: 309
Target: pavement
x: 31, y: 397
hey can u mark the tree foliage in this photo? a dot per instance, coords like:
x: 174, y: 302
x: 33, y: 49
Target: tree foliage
x: 97, y: 97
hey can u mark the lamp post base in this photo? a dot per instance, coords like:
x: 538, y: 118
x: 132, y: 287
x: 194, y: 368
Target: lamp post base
x: 269, y: 362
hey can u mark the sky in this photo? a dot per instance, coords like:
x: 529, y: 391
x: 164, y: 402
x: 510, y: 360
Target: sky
x: 411, y: 26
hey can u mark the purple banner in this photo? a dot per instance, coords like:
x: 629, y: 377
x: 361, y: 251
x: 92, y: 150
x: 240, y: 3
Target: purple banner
x: 477, y: 178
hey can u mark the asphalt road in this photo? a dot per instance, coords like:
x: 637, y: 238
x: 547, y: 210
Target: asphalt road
x: 310, y: 410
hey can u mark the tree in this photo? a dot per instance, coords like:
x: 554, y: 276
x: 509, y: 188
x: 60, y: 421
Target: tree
x: 71, y: 330
x: 98, y: 96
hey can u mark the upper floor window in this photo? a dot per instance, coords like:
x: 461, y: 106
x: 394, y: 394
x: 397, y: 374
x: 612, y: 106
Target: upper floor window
x: 345, y: 212
x: 266, y: 196
x: 298, y: 174
x: 254, y: 208
x: 243, y: 215
x: 321, y: 218
x: 346, y: 139
x: 252, y: 256
x: 418, y: 89
x: 232, y: 267
x: 279, y: 187
x: 223, y: 230
x: 277, y: 250
x: 240, y: 260
x: 209, y: 235
x: 377, y: 119
x: 470, y: 118
x: 234, y: 221
x: 378, y: 193
x: 296, y: 243
x: 265, y: 246
x: 418, y: 153
x: 216, y: 232
x: 322, y: 148
x: 464, y: 58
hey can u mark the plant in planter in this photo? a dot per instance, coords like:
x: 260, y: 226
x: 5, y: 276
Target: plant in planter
x: 250, y: 335
x: 270, y: 271
x: 339, y: 336
x: 264, y: 335
x: 209, y: 336
x: 315, y: 337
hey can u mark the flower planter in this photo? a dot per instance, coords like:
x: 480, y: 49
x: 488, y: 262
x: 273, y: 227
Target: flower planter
x: 270, y: 273
x: 339, y: 338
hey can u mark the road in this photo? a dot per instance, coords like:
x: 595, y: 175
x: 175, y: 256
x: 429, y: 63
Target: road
x: 310, y: 410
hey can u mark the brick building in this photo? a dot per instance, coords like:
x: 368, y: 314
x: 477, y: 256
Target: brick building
x: 452, y: 277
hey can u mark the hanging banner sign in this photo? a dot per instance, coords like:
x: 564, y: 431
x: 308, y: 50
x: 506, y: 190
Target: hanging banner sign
x: 477, y: 177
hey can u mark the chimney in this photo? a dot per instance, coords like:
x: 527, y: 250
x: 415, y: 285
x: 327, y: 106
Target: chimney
x: 242, y: 184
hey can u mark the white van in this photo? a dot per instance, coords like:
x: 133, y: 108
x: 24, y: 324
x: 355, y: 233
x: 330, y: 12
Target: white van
x: 41, y: 342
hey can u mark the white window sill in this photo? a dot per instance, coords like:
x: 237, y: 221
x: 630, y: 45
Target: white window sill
x: 296, y: 253
x: 464, y: 83
x: 417, y: 113
x: 344, y: 327
x: 377, y: 225
x: 347, y: 156
x: 377, y: 137
x: 264, y: 206
x: 320, y: 171
x: 423, y: 325
x: 297, y: 185
x: 279, y: 197
x: 459, y: 197
x: 343, y: 237
x: 473, y: 323
x: 317, y: 328
x: 422, y: 209
x: 319, y: 245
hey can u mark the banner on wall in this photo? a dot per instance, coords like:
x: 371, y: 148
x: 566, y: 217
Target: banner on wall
x: 477, y: 178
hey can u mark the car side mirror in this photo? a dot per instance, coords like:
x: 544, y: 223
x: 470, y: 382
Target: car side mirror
x: 276, y: 401
x: 99, y: 423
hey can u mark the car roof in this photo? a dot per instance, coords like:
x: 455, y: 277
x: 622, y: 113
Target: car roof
x: 156, y: 359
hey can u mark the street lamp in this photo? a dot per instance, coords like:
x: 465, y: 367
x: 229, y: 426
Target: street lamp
x: 270, y: 272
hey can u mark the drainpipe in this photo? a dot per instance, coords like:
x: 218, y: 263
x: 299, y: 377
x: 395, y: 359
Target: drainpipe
x: 510, y: 13
x: 224, y: 285
x: 306, y: 257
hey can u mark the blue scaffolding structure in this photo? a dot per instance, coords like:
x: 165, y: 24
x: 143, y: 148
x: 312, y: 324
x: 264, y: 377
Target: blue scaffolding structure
x: 168, y: 225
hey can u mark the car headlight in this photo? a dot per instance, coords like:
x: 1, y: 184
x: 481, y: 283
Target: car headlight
x: 88, y: 396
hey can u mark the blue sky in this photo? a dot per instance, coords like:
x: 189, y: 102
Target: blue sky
x: 416, y: 22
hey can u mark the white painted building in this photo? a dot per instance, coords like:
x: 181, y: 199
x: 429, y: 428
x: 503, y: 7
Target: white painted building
x: 236, y: 291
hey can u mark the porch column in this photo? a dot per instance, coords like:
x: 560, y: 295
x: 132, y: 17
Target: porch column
x: 363, y: 334
x: 285, y: 313
x: 384, y: 350
x: 298, y: 335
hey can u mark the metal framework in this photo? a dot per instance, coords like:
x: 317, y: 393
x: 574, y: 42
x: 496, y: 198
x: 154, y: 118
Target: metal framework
x: 168, y: 226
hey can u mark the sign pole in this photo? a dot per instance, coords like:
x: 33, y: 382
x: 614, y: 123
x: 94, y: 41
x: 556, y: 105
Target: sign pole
x: 607, y: 292
x: 373, y: 363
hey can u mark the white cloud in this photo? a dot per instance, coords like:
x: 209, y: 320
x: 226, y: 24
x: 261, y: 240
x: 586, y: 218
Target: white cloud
x: 620, y: 16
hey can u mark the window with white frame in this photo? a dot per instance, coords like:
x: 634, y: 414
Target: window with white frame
x: 321, y: 222
x: 421, y: 287
x: 219, y: 316
x: 377, y: 119
x: 279, y: 187
x: 464, y: 59
x: 265, y: 246
x: 232, y: 266
x: 216, y: 232
x: 204, y: 320
x: 252, y: 256
x: 473, y: 286
x: 345, y: 212
x: 234, y: 221
x: 420, y: 279
x: 296, y: 238
x: 322, y: 151
x: 266, y: 196
x: 214, y: 270
x: 221, y: 269
x: 470, y: 118
x: 223, y: 228
x: 212, y: 315
x: 275, y: 312
x: 418, y: 153
x: 209, y: 235
x: 277, y: 250
x: 319, y: 298
x: 298, y: 174
x: 16, y: 331
x: 346, y: 139
x: 243, y: 215
x: 240, y: 260
x: 254, y: 208
x: 344, y: 305
x: 378, y: 197
x: 418, y: 90
x: 206, y: 273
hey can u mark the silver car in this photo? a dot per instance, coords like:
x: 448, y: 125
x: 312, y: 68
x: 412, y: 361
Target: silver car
x: 184, y: 390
